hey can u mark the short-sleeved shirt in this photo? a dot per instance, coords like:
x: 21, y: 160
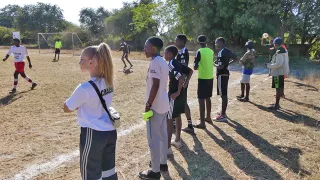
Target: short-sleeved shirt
x: 58, y: 45
x: 248, y: 59
x: 176, y: 70
x: 124, y: 47
x: 158, y: 69
x: 91, y: 113
x: 19, y: 53
x: 183, y: 56
x: 224, y: 57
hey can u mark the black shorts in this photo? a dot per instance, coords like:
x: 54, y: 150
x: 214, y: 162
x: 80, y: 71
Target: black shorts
x: 278, y: 81
x: 125, y: 55
x: 57, y: 51
x: 222, y: 85
x: 97, y: 154
x: 205, y: 87
x: 177, y: 105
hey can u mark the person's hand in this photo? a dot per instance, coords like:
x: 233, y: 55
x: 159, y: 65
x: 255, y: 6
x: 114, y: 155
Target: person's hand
x: 147, y: 109
x: 4, y: 59
x: 186, y: 84
x: 174, y: 95
x: 30, y: 66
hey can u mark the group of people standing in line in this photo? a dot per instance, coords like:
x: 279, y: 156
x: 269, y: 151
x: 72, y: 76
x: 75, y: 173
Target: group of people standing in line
x: 98, y: 135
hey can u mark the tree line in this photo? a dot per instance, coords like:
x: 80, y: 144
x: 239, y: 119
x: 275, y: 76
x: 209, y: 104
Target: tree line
x: 297, y: 21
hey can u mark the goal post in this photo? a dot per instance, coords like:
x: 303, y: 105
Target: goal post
x: 71, y: 43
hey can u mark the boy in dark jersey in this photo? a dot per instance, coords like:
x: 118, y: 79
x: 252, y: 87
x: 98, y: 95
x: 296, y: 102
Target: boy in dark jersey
x: 126, y: 51
x: 225, y: 57
x: 176, y: 94
x: 204, y: 64
x: 183, y: 58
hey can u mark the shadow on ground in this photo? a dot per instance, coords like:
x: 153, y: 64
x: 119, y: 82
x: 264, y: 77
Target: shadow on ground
x: 201, y: 165
x: 243, y: 158
x: 291, y: 116
x: 10, y: 98
x: 287, y: 156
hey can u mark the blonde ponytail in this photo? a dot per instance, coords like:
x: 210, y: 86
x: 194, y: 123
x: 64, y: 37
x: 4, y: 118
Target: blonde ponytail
x: 105, y: 65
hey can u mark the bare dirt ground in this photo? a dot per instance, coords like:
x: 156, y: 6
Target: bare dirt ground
x: 39, y: 141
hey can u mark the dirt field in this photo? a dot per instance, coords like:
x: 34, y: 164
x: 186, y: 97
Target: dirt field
x: 39, y: 141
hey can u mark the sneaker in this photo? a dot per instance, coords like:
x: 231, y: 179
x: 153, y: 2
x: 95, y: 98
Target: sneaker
x: 176, y: 144
x: 189, y: 130
x: 33, y: 86
x: 221, y: 118
x: 163, y: 167
x: 244, y: 99
x: 149, y: 174
x: 13, y: 91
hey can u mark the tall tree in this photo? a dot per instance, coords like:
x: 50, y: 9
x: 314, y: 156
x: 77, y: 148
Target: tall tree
x: 93, y: 19
x: 8, y: 14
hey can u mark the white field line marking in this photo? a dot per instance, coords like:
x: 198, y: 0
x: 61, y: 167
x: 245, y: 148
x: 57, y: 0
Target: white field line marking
x: 37, y: 169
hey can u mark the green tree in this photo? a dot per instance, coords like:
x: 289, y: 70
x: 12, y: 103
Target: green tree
x: 8, y: 14
x: 93, y: 19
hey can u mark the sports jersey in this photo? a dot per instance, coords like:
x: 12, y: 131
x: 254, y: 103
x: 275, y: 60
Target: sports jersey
x: 18, y: 52
x: 204, y: 63
x: 183, y: 56
x: 125, y: 47
x: 248, y: 61
x: 224, y: 57
x: 91, y: 113
x: 176, y: 70
x: 158, y: 69
x: 58, y: 45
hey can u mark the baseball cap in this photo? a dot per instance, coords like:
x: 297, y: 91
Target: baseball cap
x: 277, y: 41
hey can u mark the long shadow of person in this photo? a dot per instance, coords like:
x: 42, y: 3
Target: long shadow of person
x: 314, y: 107
x: 244, y: 160
x: 291, y: 116
x: 11, y: 98
x: 310, y: 87
x: 201, y: 165
x: 287, y: 156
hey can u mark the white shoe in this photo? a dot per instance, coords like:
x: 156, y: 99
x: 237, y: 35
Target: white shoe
x: 170, y: 151
x: 178, y: 144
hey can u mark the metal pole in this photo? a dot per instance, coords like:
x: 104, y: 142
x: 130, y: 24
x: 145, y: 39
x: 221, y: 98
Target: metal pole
x: 72, y: 44
x: 39, y: 42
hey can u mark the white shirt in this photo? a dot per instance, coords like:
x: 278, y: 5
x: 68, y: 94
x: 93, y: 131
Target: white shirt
x: 18, y: 52
x: 91, y: 114
x: 158, y: 68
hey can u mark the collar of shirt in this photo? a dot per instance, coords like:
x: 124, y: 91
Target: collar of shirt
x: 182, y: 50
x: 153, y: 57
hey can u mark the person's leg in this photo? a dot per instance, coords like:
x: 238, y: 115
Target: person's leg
x: 15, y: 81
x: 247, y: 90
x: 202, y: 113
x: 29, y: 80
x: 122, y: 59
x: 169, y: 131
x: 178, y: 130
x: 208, y: 105
x: 55, y: 55
x: 242, y: 90
x: 58, y: 55
x: 91, y: 146
x: 109, y: 157
x: 278, y: 96
x: 128, y: 61
x: 164, y: 141
x: 224, y: 105
x: 223, y: 88
x: 189, y: 128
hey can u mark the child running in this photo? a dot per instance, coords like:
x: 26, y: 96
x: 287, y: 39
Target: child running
x: 248, y: 62
x: 176, y: 94
x: 225, y: 57
x: 204, y: 64
x: 98, y: 135
x: 156, y: 100
x: 126, y: 51
x: 19, y: 52
x: 183, y: 58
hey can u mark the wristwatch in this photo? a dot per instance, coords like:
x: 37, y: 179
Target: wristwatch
x: 148, y: 104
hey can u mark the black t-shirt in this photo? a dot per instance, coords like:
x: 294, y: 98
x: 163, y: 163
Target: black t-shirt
x: 125, y: 47
x: 176, y: 70
x: 183, y: 56
x: 225, y: 55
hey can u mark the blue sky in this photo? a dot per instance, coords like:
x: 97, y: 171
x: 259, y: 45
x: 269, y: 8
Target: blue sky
x: 71, y: 8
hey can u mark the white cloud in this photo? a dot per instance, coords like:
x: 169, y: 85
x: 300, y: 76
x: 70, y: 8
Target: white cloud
x: 72, y: 8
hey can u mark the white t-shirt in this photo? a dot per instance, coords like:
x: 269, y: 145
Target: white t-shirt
x: 91, y: 114
x: 18, y: 52
x: 158, y: 68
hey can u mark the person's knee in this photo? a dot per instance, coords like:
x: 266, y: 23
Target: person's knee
x: 224, y: 98
x: 23, y: 75
x: 15, y: 75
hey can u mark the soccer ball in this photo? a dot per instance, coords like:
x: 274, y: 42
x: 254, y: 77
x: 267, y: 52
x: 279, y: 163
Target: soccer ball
x: 265, y: 35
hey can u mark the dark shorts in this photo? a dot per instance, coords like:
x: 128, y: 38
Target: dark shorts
x: 278, y: 81
x: 97, y: 154
x: 177, y: 105
x: 125, y: 55
x: 222, y: 85
x: 19, y: 66
x: 205, y: 87
x: 57, y: 51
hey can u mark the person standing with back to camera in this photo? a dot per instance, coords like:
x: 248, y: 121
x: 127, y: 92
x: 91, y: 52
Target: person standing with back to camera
x: 98, y: 135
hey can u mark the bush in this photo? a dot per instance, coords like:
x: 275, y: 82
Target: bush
x: 6, y: 35
x: 315, y: 51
